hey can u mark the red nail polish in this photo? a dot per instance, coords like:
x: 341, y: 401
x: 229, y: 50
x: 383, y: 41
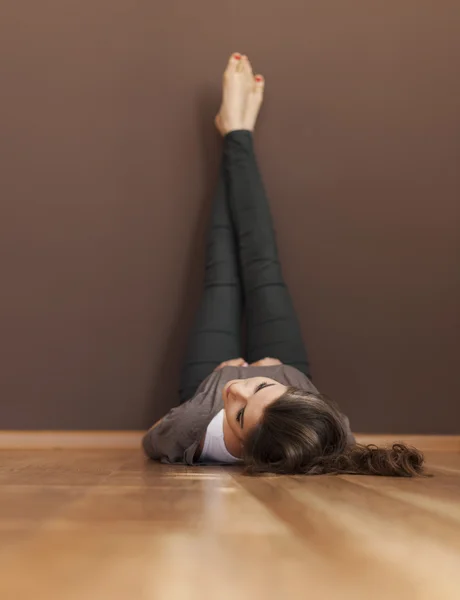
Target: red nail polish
x: 258, y: 78
x: 237, y: 56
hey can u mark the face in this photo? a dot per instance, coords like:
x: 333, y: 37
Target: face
x: 245, y: 401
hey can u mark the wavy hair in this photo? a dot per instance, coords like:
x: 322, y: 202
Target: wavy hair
x: 305, y: 433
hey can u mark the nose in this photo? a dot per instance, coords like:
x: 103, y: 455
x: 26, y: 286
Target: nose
x: 240, y: 389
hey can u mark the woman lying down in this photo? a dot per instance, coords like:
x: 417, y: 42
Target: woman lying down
x: 264, y: 413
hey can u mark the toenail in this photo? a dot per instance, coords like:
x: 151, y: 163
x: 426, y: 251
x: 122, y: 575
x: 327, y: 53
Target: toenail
x: 259, y: 78
x: 237, y: 56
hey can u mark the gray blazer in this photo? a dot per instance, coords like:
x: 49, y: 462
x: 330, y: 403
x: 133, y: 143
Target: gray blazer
x: 177, y: 436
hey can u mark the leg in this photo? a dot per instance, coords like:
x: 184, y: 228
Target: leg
x: 272, y: 325
x: 216, y: 333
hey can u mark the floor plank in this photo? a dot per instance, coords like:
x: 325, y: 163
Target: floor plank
x: 444, y: 461
x: 78, y: 524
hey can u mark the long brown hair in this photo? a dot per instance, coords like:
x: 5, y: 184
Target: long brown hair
x: 305, y: 433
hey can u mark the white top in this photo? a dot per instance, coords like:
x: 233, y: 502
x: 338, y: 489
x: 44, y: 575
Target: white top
x: 214, y: 449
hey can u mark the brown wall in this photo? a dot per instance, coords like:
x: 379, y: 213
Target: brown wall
x: 108, y: 157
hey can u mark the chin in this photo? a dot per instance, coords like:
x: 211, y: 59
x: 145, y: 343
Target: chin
x: 224, y: 393
x: 227, y: 385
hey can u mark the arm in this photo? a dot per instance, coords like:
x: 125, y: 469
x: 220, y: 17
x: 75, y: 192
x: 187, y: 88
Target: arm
x: 156, y: 424
x: 169, y: 438
x: 240, y: 362
x: 235, y: 362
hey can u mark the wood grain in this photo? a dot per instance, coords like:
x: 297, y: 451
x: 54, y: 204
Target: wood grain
x: 108, y: 524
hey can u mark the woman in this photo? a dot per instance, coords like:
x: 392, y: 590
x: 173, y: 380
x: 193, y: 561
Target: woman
x: 266, y: 414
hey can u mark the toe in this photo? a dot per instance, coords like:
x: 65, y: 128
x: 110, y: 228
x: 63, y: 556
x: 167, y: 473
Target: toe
x: 259, y: 83
x: 233, y: 62
x: 247, y: 67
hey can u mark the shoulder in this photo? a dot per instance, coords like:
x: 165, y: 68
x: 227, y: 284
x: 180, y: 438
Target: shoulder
x: 182, y: 427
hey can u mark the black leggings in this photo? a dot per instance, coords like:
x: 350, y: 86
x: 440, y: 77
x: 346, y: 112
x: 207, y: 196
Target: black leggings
x: 242, y: 271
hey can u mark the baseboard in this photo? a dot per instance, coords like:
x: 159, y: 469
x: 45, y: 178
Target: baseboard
x: 426, y: 443
x: 42, y: 440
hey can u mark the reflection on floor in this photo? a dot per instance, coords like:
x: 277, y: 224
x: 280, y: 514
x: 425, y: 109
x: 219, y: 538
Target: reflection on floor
x: 78, y: 524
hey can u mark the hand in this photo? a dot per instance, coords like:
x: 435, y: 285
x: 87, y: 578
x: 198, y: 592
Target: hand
x: 235, y: 362
x: 266, y: 362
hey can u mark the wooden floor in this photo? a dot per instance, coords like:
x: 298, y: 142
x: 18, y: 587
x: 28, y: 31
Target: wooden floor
x: 106, y: 524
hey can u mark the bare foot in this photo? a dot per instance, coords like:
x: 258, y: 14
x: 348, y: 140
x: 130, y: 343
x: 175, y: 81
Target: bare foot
x: 255, y: 95
x: 236, y: 89
x: 254, y: 102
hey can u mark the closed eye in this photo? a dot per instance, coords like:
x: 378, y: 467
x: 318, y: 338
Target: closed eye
x: 261, y: 386
x: 240, y: 413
